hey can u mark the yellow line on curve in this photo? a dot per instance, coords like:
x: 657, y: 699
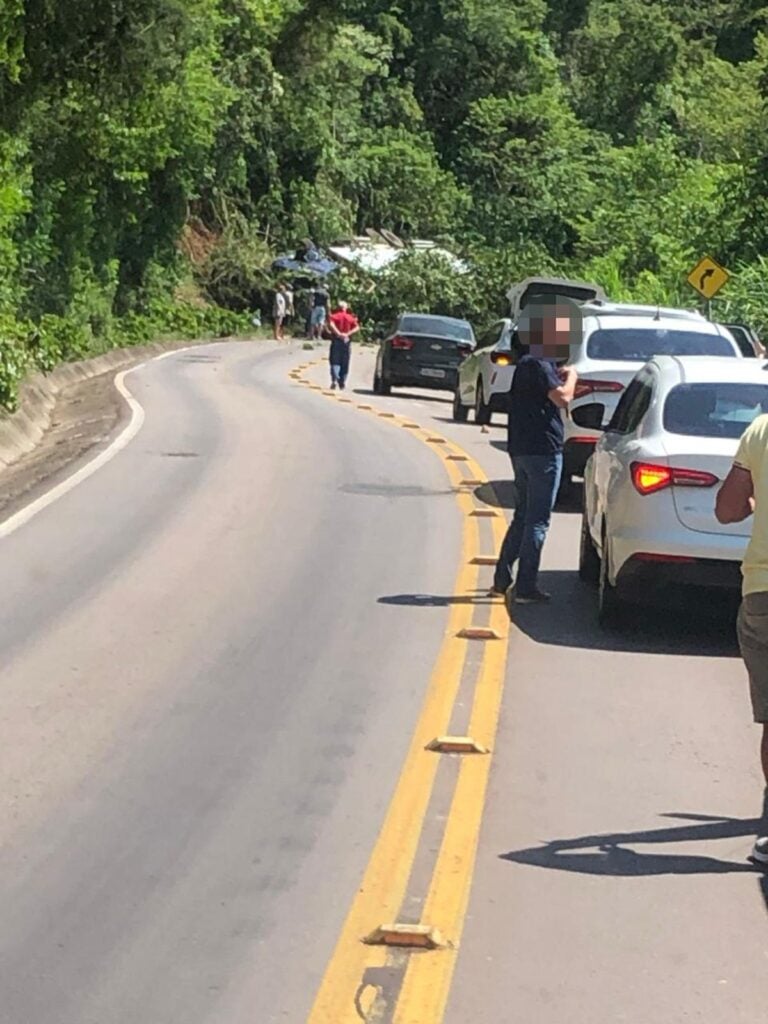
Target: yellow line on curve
x: 343, y: 997
x: 427, y: 983
x: 382, y: 889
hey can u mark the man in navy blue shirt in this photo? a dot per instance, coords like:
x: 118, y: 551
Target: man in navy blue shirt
x: 543, y: 384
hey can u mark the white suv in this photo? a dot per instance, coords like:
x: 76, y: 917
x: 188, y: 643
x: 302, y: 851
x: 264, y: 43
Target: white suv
x: 617, y: 341
x: 650, y: 486
x: 485, y: 376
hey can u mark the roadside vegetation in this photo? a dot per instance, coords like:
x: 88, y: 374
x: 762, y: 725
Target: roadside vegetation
x: 156, y: 154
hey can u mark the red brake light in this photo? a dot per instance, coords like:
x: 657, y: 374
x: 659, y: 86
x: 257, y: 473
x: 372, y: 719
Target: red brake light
x: 590, y: 387
x: 650, y: 556
x: 693, y: 478
x: 649, y: 478
x: 399, y: 342
x: 501, y: 358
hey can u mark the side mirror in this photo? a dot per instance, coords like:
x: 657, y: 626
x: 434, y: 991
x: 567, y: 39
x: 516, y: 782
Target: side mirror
x: 589, y: 416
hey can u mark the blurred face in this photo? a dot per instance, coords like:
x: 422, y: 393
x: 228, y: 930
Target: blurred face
x: 548, y: 332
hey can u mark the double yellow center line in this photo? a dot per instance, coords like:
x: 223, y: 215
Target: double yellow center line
x: 389, y: 983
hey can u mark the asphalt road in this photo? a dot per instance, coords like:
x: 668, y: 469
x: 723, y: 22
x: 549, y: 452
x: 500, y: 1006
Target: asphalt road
x: 208, y: 693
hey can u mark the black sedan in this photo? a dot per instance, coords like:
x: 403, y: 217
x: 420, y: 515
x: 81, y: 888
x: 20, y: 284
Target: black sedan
x: 422, y: 351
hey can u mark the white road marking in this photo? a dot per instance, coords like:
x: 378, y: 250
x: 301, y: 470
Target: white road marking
x: 134, y: 425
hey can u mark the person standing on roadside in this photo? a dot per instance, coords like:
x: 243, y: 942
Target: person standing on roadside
x: 543, y: 384
x: 279, y: 311
x: 744, y: 493
x: 343, y: 326
x: 321, y: 302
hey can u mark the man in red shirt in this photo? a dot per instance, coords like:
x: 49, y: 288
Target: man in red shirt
x: 343, y: 325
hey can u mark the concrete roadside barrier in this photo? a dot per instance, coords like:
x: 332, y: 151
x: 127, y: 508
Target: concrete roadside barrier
x: 23, y: 429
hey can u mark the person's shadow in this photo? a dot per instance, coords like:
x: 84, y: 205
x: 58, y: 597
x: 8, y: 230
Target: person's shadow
x: 606, y: 853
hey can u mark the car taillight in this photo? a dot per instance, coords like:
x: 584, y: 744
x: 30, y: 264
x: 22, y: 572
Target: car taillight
x: 591, y: 387
x: 501, y: 358
x: 399, y: 342
x: 649, y: 477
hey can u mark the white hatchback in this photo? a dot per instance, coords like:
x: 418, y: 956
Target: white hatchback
x: 485, y: 376
x: 617, y: 340
x: 650, y: 486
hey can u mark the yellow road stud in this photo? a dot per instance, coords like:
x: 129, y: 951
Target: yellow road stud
x: 478, y: 633
x: 456, y: 745
x: 410, y: 936
x: 484, y: 560
x: 484, y: 513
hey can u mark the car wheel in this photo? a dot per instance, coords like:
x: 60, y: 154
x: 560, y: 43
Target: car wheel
x: 460, y: 412
x: 482, y: 411
x: 589, y: 560
x: 610, y: 607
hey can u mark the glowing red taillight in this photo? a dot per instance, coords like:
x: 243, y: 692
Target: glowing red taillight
x: 403, y: 343
x: 649, y: 477
x: 590, y: 387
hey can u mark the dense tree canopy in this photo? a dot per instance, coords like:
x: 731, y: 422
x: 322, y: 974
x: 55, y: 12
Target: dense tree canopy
x: 618, y: 139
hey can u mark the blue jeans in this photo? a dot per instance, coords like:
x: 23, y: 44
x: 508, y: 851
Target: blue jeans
x: 537, y: 479
x: 339, y: 361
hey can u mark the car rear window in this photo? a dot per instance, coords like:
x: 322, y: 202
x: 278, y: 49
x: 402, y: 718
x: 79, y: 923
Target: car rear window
x: 714, y: 410
x: 456, y: 330
x: 639, y: 344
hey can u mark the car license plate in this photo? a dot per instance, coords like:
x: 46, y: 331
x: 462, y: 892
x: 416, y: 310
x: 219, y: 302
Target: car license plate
x: 426, y: 372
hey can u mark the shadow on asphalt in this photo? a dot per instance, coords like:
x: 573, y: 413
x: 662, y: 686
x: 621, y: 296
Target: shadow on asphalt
x: 606, y: 854
x: 405, y: 395
x: 689, y: 623
x: 434, y: 600
x: 466, y: 425
x: 503, y: 494
x: 497, y: 493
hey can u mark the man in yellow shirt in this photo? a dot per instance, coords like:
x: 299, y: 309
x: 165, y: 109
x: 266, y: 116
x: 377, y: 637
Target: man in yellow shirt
x: 745, y: 491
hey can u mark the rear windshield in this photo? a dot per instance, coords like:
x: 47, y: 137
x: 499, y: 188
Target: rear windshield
x: 714, y: 410
x: 456, y: 330
x: 639, y: 344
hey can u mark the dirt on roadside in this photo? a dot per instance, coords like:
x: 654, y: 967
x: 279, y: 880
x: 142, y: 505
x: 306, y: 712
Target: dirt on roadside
x: 85, y: 415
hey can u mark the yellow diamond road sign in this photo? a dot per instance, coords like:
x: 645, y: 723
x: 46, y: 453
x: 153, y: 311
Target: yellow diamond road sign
x: 708, y: 277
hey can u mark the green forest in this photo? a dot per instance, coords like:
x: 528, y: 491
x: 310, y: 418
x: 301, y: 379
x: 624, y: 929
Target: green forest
x: 156, y: 154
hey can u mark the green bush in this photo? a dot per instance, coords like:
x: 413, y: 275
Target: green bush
x: 26, y: 347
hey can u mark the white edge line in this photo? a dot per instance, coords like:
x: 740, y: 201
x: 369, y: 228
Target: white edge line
x: 123, y: 439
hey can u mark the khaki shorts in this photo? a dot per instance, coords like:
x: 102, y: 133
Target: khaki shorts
x: 753, y: 640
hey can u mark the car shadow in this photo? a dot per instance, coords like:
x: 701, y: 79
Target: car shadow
x: 467, y: 424
x: 607, y: 853
x: 686, y: 624
x: 435, y: 600
x: 406, y: 396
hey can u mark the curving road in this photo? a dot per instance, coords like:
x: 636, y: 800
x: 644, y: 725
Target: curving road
x: 208, y: 692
